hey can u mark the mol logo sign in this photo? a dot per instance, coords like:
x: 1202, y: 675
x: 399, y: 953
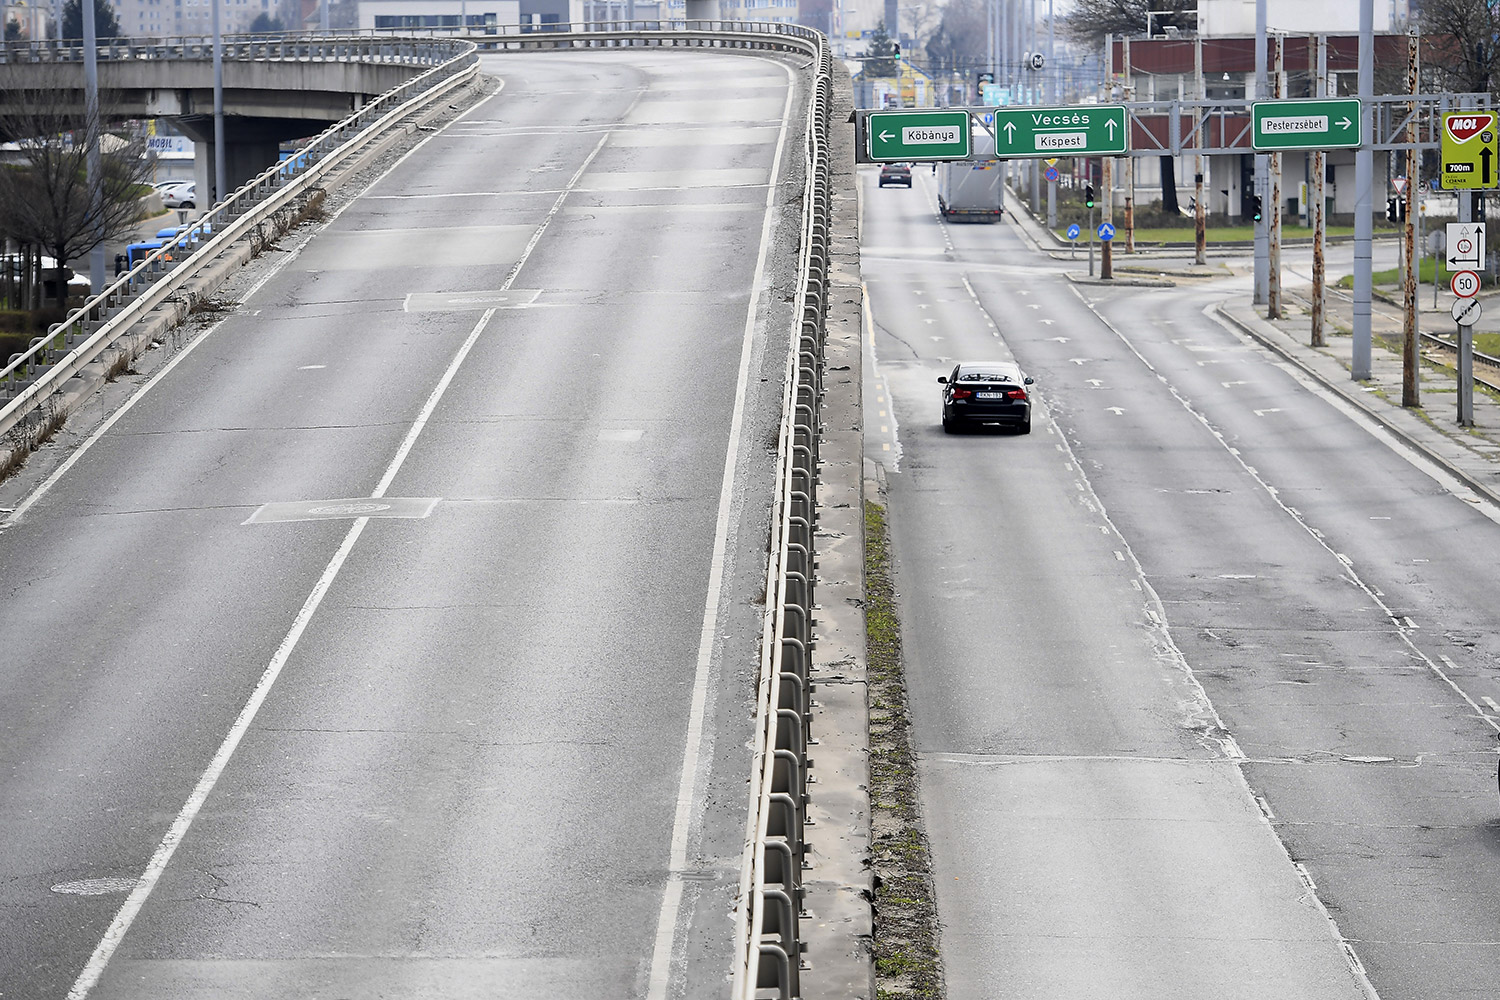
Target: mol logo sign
x: 1470, y: 147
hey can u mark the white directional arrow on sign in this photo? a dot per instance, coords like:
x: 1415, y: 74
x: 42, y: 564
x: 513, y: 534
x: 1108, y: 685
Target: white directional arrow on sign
x: 1111, y: 126
x: 1010, y: 131
x: 887, y: 136
x: 1344, y: 122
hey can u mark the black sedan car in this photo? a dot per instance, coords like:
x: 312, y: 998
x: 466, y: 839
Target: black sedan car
x: 986, y: 393
x: 895, y: 173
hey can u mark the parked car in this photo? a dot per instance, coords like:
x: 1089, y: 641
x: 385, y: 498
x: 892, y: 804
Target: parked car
x: 895, y: 173
x: 986, y: 392
x: 182, y: 196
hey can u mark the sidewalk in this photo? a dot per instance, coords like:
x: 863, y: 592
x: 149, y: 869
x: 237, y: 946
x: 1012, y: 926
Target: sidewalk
x: 1471, y: 454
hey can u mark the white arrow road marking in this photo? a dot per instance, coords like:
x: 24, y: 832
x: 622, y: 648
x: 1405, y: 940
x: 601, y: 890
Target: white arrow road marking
x: 1115, y: 410
x: 934, y: 339
x: 1080, y: 361
x: 1096, y: 383
x: 1212, y: 361
x: 929, y: 321
x: 923, y: 305
x: 1022, y: 291
x: 1033, y: 305
x: 1228, y: 384
x: 1049, y: 323
x: 1060, y: 340
x: 1261, y: 413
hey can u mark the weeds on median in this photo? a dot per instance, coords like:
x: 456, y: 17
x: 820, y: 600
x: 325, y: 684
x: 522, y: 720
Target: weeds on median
x: 906, y: 954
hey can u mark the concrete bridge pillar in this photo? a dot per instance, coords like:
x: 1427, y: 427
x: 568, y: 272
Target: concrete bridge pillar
x: 250, y: 146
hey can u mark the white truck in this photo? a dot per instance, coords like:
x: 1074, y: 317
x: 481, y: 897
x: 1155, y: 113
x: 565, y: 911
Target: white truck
x: 970, y: 190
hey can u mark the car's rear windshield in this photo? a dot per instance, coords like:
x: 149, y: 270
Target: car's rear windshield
x: 986, y: 375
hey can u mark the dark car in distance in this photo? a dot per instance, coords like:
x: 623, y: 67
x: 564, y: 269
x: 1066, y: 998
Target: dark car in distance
x: 895, y: 173
x: 993, y: 392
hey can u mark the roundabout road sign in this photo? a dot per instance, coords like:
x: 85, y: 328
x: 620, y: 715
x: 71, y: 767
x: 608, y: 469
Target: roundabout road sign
x: 1073, y: 231
x: 1467, y: 311
x: 1466, y: 284
x: 1106, y: 231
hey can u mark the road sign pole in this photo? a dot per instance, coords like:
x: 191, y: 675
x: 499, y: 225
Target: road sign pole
x: 1091, y: 240
x: 1319, y: 223
x: 1364, y: 172
x: 1411, y: 393
x: 1262, y: 243
x: 1465, y: 335
x: 1107, y: 214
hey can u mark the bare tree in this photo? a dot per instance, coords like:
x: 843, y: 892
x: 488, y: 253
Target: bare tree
x: 1460, y: 55
x: 46, y: 198
x: 959, y: 42
x: 1090, y: 20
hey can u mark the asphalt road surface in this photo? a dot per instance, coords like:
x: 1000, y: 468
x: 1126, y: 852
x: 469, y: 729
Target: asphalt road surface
x: 1203, y: 672
x: 400, y: 640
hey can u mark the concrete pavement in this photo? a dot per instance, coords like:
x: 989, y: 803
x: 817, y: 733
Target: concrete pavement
x: 1472, y: 454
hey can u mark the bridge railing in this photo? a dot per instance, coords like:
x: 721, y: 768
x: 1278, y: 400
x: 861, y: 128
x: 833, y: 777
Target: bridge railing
x: 28, y: 379
x: 419, y: 50
x: 768, y: 918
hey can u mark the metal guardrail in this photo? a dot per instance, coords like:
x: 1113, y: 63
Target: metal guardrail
x: 420, y: 50
x: 770, y: 906
x: 28, y: 379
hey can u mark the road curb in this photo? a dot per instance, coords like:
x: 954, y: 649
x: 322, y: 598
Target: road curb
x: 1361, y: 401
x: 840, y: 926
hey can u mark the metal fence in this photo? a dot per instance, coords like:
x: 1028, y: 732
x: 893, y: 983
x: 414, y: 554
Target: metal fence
x: 771, y: 891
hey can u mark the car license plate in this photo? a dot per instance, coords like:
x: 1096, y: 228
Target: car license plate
x: 989, y: 395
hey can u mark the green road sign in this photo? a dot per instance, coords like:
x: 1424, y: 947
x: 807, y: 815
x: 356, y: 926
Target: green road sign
x: 1305, y: 124
x: 1084, y: 130
x: 918, y: 135
x: 1470, y: 155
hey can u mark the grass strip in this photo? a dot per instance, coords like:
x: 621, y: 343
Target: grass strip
x: 906, y: 924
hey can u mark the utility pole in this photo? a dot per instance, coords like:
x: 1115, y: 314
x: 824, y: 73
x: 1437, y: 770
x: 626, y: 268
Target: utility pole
x: 91, y: 133
x: 1129, y: 95
x: 221, y: 182
x: 1411, y: 393
x: 1262, y: 248
x: 1320, y: 69
x: 1273, y: 287
x: 1364, y: 170
x: 1200, y: 222
x: 1107, y: 182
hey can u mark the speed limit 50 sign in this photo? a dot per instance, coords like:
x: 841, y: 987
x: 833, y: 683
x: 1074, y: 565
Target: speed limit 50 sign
x: 1466, y: 284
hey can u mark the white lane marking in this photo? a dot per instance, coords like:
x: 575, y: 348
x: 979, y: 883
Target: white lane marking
x: 1491, y: 703
x: 94, y: 968
x: 623, y: 434
x: 1403, y: 633
x: 275, y: 269
x: 666, y: 925
x: 893, y: 446
x: 1363, y: 420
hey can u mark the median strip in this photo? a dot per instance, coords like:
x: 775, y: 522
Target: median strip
x: 906, y: 922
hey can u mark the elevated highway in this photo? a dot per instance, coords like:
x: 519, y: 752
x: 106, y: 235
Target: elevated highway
x: 401, y: 631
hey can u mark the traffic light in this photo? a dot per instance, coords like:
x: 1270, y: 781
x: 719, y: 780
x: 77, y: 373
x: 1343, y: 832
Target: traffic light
x: 1395, y: 209
x: 1088, y: 196
x: 897, y: 54
x: 985, y: 78
x: 1255, y: 213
